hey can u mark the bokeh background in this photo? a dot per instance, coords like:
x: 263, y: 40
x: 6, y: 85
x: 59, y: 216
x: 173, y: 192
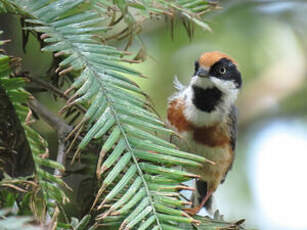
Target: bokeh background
x: 267, y: 185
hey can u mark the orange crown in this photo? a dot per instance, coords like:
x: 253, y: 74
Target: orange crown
x: 210, y: 58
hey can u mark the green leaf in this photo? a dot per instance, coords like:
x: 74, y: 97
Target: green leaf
x: 128, y: 194
x: 136, y: 198
x: 147, y: 223
x: 118, y: 150
x: 82, y: 225
x: 117, y: 168
x: 12, y: 83
x: 162, y: 158
x: 121, y: 184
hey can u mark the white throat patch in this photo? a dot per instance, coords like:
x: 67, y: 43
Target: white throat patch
x: 202, y: 118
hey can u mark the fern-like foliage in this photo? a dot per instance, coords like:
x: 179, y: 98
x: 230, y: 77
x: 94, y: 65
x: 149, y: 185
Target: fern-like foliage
x: 44, y: 187
x: 192, y: 10
x: 138, y: 185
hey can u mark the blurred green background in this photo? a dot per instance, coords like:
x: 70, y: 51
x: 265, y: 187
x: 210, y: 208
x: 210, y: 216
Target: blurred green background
x: 267, y: 185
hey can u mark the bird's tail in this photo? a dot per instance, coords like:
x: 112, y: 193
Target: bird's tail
x: 200, y: 194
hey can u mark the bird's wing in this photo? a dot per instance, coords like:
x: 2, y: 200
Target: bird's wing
x: 233, y: 126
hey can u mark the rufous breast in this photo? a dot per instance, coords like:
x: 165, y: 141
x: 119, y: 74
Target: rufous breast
x: 211, y: 136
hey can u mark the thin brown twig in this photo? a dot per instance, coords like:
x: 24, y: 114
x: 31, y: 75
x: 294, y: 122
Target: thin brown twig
x: 114, y: 22
x: 53, y: 222
x: 14, y: 187
x: 54, y: 89
x: 77, y: 135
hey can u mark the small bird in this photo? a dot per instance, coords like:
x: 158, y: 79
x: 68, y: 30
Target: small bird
x: 204, y: 114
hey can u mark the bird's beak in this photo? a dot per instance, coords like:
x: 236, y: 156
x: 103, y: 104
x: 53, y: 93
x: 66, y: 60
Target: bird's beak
x: 202, y: 72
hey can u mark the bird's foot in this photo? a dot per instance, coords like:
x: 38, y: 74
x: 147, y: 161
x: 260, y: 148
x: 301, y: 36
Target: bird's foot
x: 192, y: 211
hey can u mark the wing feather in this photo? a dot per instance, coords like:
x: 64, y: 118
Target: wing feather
x: 233, y: 126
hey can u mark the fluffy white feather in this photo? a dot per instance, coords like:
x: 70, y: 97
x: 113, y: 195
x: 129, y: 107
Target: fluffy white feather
x: 178, y: 85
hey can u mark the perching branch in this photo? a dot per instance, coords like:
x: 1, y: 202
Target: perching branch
x: 58, y: 124
x: 51, y: 119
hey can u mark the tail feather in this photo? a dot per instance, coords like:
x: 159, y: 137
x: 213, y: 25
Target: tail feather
x: 200, y: 193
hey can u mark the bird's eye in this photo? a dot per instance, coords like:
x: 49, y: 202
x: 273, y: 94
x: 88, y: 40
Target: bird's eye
x: 222, y: 70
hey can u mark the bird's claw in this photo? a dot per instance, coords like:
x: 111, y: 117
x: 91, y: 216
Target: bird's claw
x: 192, y: 211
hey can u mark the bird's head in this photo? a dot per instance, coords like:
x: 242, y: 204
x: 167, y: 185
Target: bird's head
x: 215, y: 69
